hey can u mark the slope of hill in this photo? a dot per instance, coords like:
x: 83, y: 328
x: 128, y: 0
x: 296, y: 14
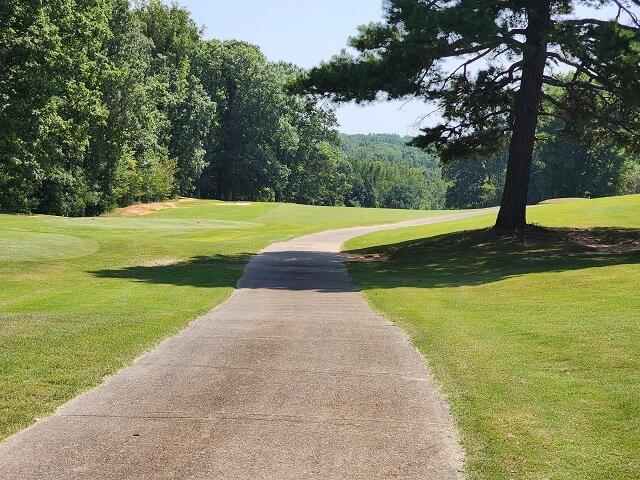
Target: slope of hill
x: 386, y: 172
x: 386, y: 147
x: 535, y: 339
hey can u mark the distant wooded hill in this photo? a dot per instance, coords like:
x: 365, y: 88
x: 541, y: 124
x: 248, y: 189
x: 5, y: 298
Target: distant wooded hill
x: 386, y: 172
x: 386, y: 147
x: 562, y: 167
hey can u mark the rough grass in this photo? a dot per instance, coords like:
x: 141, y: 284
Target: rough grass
x: 80, y: 298
x: 534, y: 338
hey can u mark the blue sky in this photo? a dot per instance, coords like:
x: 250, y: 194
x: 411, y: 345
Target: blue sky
x: 305, y: 32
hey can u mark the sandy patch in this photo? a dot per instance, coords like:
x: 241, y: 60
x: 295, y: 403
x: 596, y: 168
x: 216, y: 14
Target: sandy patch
x: 606, y: 240
x: 161, y: 262
x: 552, y: 201
x: 147, y: 208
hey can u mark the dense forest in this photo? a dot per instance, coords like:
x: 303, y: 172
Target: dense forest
x: 563, y: 166
x: 103, y: 105
x: 386, y: 172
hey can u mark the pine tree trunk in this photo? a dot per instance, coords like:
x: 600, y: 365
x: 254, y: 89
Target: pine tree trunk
x: 513, y: 208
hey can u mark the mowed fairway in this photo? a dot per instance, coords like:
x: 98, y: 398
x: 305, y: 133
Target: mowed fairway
x: 536, y: 344
x: 80, y: 298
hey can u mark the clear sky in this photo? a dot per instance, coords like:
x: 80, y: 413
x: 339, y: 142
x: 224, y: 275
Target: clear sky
x: 305, y: 32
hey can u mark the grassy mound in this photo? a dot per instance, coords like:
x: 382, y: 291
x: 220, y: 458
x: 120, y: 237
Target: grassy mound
x: 535, y: 337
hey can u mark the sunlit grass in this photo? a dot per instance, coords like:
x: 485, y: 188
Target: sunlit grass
x: 535, y: 341
x: 81, y: 297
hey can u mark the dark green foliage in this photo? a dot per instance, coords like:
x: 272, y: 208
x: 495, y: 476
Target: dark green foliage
x: 567, y: 167
x: 102, y: 106
x: 46, y: 118
x: 563, y: 167
x: 475, y: 184
x: 319, y: 175
x: 631, y: 177
x: 253, y: 131
x: 190, y: 112
x: 387, y: 172
x: 387, y: 147
x: 266, y: 144
x: 486, y: 64
x: 128, y: 158
x: 81, y: 126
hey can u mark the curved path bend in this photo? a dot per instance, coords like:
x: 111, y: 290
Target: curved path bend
x: 293, y: 377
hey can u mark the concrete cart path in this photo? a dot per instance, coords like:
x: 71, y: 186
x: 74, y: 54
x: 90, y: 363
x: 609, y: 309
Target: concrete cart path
x: 293, y: 377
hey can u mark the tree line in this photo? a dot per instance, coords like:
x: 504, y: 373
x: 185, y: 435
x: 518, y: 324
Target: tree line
x: 387, y: 172
x: 499, y: 70
x: 104, y: 105
x: 563, y: 166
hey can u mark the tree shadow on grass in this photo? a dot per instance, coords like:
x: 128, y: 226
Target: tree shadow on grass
x: 288, y: 270
x: 484, y: 256
x: 202, y: 271
x: 458, y: 259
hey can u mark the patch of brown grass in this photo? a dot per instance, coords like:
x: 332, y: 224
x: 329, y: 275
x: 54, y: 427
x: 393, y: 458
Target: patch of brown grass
x: 552, y: 201
x: 161, y: 262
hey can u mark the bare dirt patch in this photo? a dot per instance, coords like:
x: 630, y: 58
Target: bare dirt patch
x: 161, y: 262
x: 464, y: 251
x: 579, y: 240
x: 367, y: 257
x: 147, y: 208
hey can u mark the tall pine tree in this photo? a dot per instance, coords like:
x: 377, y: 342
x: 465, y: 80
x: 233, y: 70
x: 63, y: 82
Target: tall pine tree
x: 487, y: 65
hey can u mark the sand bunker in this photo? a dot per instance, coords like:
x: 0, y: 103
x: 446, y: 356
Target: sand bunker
x: 552, y: 201
x: 146, y: 208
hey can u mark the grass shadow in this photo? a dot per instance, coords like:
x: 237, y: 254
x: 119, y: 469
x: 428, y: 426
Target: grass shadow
x: 286, y: 270
x: 205, y: 271
x: 456, y: 259
x: 484, y: 256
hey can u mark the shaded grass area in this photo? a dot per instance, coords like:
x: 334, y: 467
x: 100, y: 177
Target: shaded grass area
x: 534, y: 338
x: 202, y: 271
x: 81, y: 297
x: 476, y: 257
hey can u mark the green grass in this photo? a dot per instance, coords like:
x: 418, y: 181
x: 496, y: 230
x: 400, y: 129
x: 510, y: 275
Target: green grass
x: 80, y: 298
x: 536, y: 344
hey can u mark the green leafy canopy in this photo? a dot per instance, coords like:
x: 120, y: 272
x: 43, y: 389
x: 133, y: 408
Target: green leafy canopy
x: 466, y: 56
